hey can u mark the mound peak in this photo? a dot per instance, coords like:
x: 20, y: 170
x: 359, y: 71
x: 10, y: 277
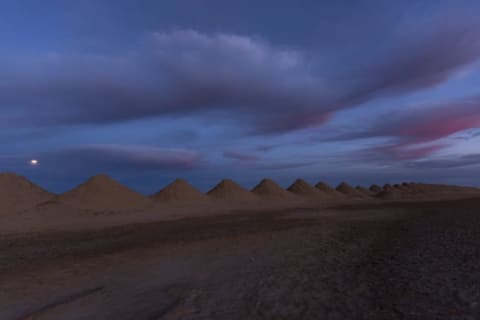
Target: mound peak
x: 101, y: 192
x: 269, y: 188
x: 301, y: 187
x: 18, y: 193
x: 179, y: 191
x: 228, y: 189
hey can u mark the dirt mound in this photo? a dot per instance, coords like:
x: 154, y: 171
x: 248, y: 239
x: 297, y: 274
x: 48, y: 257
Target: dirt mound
x: 101, y: 192
x: 179, y: 191
x: 270, y: 189
x: 325, y: 188
x: 375, y: 189
x: 363, y: 190
x: 229, y: 190
x: 387, y: 187
x: 301, y: 187
x: 348, y: 190
x: 17, y: 193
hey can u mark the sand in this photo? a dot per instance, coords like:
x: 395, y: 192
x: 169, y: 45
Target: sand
x: 412, y: 252
x: 179, y: 191
x: 101, y: 192
x: 229, y: 190
x: 17, y: 194
x: 370, y: 260
x: 268, y: 188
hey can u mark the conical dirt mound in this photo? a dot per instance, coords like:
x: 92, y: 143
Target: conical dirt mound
x: 179, y: 191
x: 229, y: 190
x: 270, y: 189
x: 325, y: 188
x: 17, y: 193
x: 363, y: 190
x: 347, y: 190
x: 375, y: 188
x: 301, y: 187
x: 103, y: 193
x: 387, y: 187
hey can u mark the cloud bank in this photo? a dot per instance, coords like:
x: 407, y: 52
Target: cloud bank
x: 266, y: 88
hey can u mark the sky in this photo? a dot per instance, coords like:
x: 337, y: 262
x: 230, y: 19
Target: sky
x: 366, y: 91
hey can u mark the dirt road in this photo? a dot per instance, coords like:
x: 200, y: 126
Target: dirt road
x: 371, y: 261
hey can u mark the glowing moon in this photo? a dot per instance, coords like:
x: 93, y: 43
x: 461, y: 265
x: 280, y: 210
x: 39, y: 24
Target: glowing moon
x: 33, y: 162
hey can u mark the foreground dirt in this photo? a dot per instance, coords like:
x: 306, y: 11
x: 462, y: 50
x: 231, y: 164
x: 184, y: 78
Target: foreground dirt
x: 364, y: 261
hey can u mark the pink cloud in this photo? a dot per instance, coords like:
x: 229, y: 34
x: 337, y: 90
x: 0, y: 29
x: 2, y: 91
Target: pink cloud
x: 440, y: 123
x: 406, y: 151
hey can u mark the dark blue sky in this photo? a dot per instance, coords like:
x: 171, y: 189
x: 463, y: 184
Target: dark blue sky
x: 146, y: 91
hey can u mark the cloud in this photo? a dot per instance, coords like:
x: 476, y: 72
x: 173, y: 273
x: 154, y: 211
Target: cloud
x: 142, y: 156
x: 108, y: 158
x: 421, y: 58
x: 401, y: 151
x: 416, y: 132
x: 241, y: 156
x: 285, y: 165
x: 457, y: 162
x: 265, y: 88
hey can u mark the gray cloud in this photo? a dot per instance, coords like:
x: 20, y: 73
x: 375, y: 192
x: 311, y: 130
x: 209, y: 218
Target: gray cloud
x: 267, y: 88
x: 91, y: 159
x: 415, y: 131
x: 457, y: 162
x: 241, y: 156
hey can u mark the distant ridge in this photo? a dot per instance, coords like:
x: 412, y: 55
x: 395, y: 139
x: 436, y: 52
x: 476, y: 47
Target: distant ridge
x: 228, y: 189
x: 270, y: 189
x: 17, y: 193
x: 179, y: 191
x: 301, y: 187
x: 101, y: 192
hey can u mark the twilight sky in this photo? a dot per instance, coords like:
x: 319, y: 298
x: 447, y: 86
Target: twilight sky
x: 367, y: 91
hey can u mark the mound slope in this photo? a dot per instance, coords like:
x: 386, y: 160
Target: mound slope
x: 18, y: 193
x: 270, y: 189
x: 179, y: 191
x: 229, y: 190
x: 101, y: 192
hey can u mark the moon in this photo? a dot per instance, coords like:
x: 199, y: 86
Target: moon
x: 33, y: 162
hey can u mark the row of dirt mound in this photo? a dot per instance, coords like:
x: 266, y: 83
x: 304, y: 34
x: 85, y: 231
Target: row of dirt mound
x: 103, y: 193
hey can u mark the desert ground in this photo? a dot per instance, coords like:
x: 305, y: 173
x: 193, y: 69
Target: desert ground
x: 408, y: 251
